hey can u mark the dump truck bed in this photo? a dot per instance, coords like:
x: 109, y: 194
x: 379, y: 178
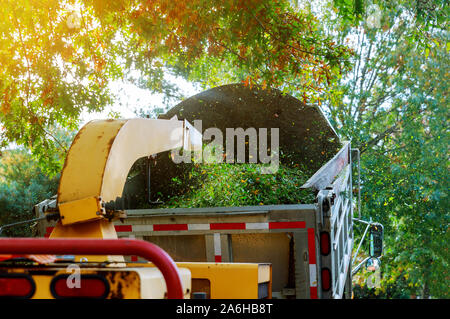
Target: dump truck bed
x: 235, y: 234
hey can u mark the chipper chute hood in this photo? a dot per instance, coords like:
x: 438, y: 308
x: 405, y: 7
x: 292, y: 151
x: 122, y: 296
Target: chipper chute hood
x: 305, y: 133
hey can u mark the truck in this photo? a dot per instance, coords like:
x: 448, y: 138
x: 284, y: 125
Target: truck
x: 284, y: 251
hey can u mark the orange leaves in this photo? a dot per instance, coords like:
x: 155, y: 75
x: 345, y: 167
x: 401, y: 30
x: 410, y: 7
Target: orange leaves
x: 67, y: 52
x: 264, y: 85
x: 6, y: 106
x: 304, y: 97
x: 99, y: 63
x: 263, y: 39
x: 215, y: 49
x: 247, y: 81
x: 46, y: 94
x: 7, y: 96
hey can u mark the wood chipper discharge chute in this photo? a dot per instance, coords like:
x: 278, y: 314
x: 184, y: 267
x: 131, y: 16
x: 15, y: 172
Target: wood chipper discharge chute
x: 97, y: 165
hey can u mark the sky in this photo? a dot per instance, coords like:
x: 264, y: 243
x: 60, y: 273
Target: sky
x: 130, y: 98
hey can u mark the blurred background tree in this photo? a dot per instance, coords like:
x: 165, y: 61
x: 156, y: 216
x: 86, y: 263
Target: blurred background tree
x: 22, y: 185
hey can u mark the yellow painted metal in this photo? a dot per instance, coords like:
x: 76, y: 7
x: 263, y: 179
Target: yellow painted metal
x: 124, y: 283
x: 88, y: 209
x: 42, y: 283
x: 144, y: 281
x: 82, y: 177
x: 136, y: 139
x: 82, y: 174
x: 229, y: 280
x: 98, y: 163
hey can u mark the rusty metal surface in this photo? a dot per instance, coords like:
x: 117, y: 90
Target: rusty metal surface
x: 218, y: 211
x: 244, y: 245
x: 189, y: 248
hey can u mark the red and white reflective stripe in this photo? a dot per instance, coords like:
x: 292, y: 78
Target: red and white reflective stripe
x: 211, y: 226
x: 287, y: 225
x: 217, y: 248
x: 312, y: 264
x: 198, y: 227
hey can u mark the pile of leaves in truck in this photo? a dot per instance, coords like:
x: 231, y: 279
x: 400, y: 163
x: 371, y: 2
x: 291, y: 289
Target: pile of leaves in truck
x: 216, y: 185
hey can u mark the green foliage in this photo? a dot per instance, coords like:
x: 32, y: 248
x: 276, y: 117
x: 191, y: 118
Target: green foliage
x: 349, y: 10
x: 394, y: 107
x: 396, y: 289
x: 220, y: 185
x: 22, y: 185
x: 52, y: 67
x: 429, y: 13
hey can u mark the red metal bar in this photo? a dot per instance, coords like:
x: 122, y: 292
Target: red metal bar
x: 62, y: 246
x: 223, y: 226
x: 168, y: 227
x: 286, y: 225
